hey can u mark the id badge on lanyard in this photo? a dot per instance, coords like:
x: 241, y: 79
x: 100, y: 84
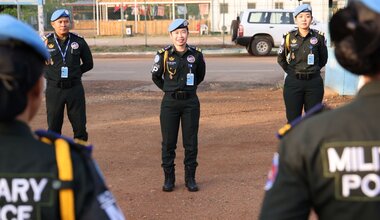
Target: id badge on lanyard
x: 310, y: 59
x: 64, y: 72
x: 64, y: 69
x: 190, y: 77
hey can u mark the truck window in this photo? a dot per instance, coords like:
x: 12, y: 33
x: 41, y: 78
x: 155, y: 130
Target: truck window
x: 282, y: 18
x: 259, y: 17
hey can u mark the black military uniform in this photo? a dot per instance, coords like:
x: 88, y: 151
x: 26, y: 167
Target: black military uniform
x: 178, y: 75
x: 330, y: 162
x: 67, y: 89
x: 35, y: 185
x: 302, y: 58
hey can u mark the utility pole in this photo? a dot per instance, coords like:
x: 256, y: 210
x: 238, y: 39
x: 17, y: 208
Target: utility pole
x: 145, y: 24
x: 40, y: 17
x: 18, y: 10
x: 224, y: 19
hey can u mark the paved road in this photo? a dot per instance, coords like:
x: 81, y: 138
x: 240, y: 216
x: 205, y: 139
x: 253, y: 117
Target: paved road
x: 242, y: 68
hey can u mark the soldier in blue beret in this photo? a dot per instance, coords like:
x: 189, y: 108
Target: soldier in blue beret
x: 60, y: 13
x: 330, y: 162
x: 53, y: 177
x: 302, y: 55
x: 302, y: 8
x: 70, y: 59
x: 177, y: 24
x: 178, y: 69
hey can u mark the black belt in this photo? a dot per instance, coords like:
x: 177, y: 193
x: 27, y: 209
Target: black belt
x: 305, y: 76
x: 64, y: 84
x: 181, y: 95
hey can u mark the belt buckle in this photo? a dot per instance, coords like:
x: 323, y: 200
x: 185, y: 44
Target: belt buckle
x: 301, y: 76
x: 180, y: 95
x: 64, y: 84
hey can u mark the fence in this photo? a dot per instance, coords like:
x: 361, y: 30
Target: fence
x: 119, y: 28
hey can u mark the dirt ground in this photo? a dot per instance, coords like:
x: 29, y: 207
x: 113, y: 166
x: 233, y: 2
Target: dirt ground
x: 236, y: 143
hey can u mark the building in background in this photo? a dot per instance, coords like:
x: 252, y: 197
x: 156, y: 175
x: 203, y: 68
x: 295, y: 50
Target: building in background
x: 151, y: 17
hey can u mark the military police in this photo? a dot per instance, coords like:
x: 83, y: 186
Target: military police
x: 70, y: 59
x: 51, y: 178
x: 178, y: 69
x: 331, y: 162
x: 302, y: 55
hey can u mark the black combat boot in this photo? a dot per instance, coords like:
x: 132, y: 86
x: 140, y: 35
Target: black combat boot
x: 169, y: 179
x: 190, y: 179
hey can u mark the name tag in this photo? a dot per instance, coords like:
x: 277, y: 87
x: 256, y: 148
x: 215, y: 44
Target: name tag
x: 190, y: 79
x: 310, y: 59
x: 64, y: 72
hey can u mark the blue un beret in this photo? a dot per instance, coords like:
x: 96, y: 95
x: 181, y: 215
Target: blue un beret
x: 60, y: 13
x: 302, y: 8
x: 372, y: 4
x: 11, y: 28
x: 178, y: 23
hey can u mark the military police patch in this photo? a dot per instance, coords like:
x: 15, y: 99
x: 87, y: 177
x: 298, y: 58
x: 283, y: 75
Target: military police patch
x: 23, y: 196
x: 272, y: 172
x: 354, y: 166
x: 190, y: 59
x: 157, y: 58
x: 74, y: 45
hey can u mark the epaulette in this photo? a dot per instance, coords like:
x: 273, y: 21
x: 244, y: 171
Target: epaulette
x: 313, y: 111
x: 50, y: 137
x: 196, y: 48
x: 46, y: 36
x: 76, y: 34
x: 164, y: 49
x: 319, y: 32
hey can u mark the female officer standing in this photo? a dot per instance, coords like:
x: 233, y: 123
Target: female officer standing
x: 54, y: 178
x: 330, y: 162
x: 178, y: 70
x: 302, y: 55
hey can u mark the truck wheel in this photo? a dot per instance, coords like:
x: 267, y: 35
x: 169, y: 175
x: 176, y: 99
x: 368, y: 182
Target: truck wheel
x: 234, y: 29
x: 249, y: 50
x: 261, y: 46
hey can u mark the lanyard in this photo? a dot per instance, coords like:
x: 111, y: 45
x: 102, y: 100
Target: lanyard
x: 60, y: 50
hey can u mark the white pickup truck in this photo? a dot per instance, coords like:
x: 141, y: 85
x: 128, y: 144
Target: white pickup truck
x: 261, y: 30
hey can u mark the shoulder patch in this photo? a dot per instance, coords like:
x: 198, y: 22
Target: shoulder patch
x: 313, y: 111
x: 164, y: 49
x: 319, y: 32
x: 195, y: 48
x: 75, y: 34
x: 47, y: 36
x: 50, y: 136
